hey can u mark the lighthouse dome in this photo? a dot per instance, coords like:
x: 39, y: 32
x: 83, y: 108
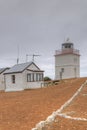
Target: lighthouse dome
x: 67, y: 44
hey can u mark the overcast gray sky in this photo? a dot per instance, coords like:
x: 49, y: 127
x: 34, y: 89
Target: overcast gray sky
x: 40, y: 27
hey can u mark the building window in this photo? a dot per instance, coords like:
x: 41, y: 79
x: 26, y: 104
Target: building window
x: 37, y: 77
x: 41, y: 77
x: 33, y: 77
x: 30, y: 77
x: 13, y: 78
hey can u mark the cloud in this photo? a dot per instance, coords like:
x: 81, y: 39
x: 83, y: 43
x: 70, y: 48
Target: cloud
x: 40, y: 26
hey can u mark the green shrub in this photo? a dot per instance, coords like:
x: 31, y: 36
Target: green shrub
x: 47, y: 78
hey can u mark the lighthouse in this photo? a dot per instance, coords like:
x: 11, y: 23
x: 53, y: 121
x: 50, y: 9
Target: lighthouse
x: 67, y: 61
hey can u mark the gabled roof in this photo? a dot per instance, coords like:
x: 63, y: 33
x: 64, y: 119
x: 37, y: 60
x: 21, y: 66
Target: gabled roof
x: 3, y: 69
x: 19, y: 68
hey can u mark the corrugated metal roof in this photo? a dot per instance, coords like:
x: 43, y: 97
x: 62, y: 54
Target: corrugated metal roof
x: 18, y: 68
x: 3, y: 69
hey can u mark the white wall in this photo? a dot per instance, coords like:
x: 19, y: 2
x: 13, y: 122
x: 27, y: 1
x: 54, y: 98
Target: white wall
x: 18, y: 85
x: 2, y: 83
x: 2, y: 80
x: 32, y: 67
x: 71, y: 65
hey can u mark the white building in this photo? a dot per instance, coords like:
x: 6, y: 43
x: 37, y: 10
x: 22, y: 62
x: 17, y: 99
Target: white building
x: 23, y: 76
x: 2, y: 80
x: 67, y: 61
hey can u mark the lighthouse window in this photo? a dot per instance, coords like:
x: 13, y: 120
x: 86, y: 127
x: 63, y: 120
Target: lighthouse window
x: 69, y: 46
x: 62, y: 69
x: 66, y: 46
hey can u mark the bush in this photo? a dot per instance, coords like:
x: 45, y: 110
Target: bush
x: 47, y: 78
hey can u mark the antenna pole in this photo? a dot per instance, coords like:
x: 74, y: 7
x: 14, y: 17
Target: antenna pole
x: 32, y: 57
x: 18, y: 54
x: 26, y: 57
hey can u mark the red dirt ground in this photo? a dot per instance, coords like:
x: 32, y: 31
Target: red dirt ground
x: 23, y: 110
x: 67, y: 124
x: 78, y: 108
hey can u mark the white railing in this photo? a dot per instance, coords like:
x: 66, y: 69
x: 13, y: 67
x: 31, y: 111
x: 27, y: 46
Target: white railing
x: 67, y: 51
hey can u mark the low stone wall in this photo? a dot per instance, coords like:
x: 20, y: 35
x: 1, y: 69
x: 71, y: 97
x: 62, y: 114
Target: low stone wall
x: 49, y: 83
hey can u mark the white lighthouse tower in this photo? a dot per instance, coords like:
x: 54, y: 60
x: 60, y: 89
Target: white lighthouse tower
x: 67, y: 61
